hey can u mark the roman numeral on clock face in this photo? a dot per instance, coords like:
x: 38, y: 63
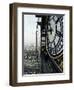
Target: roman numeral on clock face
x: 55, y: 35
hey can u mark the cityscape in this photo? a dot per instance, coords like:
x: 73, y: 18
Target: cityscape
x: 32, y: 61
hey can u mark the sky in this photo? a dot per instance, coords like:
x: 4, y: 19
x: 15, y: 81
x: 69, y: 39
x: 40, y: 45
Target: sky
x: 30, y: 22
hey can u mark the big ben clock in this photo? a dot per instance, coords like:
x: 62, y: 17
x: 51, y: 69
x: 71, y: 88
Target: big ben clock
x: 54, y: 39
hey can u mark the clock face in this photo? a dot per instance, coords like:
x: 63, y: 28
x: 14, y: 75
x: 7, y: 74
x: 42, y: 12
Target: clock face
x: 55, y: 36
